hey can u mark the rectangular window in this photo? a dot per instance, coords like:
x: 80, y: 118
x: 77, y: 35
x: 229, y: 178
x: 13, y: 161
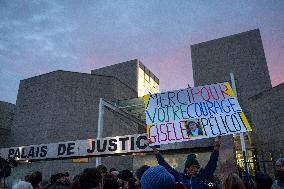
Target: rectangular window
x: 141, y: 72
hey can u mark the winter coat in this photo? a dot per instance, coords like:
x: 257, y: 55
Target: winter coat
x: 196, y: 182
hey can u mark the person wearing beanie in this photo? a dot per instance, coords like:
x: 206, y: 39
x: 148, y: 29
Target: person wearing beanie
x: 191, y: 162
x: 192, y: 176
x: 157, y: 177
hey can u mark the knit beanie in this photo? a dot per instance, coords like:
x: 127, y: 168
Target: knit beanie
x: 157, y: 177
x: 191, y: 160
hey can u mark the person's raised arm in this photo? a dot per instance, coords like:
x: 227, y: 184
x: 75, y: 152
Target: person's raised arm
x: 217, y: 143
x: 154, y: 148
x: 212, y: 163
x: 162, y: 162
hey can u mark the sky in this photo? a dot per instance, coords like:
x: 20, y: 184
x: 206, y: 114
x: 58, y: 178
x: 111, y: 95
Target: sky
x: 37, y: 37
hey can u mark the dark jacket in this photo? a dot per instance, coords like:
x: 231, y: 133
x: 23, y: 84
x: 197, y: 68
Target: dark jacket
x: 196, y: 182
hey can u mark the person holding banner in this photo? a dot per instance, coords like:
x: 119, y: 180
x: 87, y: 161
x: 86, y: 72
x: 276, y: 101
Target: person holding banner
x: 192, y: 176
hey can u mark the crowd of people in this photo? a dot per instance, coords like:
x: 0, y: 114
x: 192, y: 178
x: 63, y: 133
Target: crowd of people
x: 161, y: 176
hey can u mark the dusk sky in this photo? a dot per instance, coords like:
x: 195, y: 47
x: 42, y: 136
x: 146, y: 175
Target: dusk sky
x: 37, y: 37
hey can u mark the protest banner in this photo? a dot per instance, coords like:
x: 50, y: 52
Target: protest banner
x: 79, y: 148
x: 193, y: 113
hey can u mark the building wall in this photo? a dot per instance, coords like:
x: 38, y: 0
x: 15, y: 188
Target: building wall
x: 126, y: 72
x: 242, y: 54
x: 63, y: 106
x: 267, y: 117
x: 134, y: 74
x: 6, y: 119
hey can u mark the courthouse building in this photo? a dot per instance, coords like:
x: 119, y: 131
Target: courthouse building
x: 65, y: 106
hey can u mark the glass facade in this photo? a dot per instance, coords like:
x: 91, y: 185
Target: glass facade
x: 147, y: 81
x: 250, y: 153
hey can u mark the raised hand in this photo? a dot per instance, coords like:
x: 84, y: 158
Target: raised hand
x: 217, y: 144
x: 155, y: 150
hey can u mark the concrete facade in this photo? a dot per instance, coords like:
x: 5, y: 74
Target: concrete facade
x: 63, y: 106
x: 267, y: 116
x: 126, y: 72
x: 242, y: 54
x: 7, y: 111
